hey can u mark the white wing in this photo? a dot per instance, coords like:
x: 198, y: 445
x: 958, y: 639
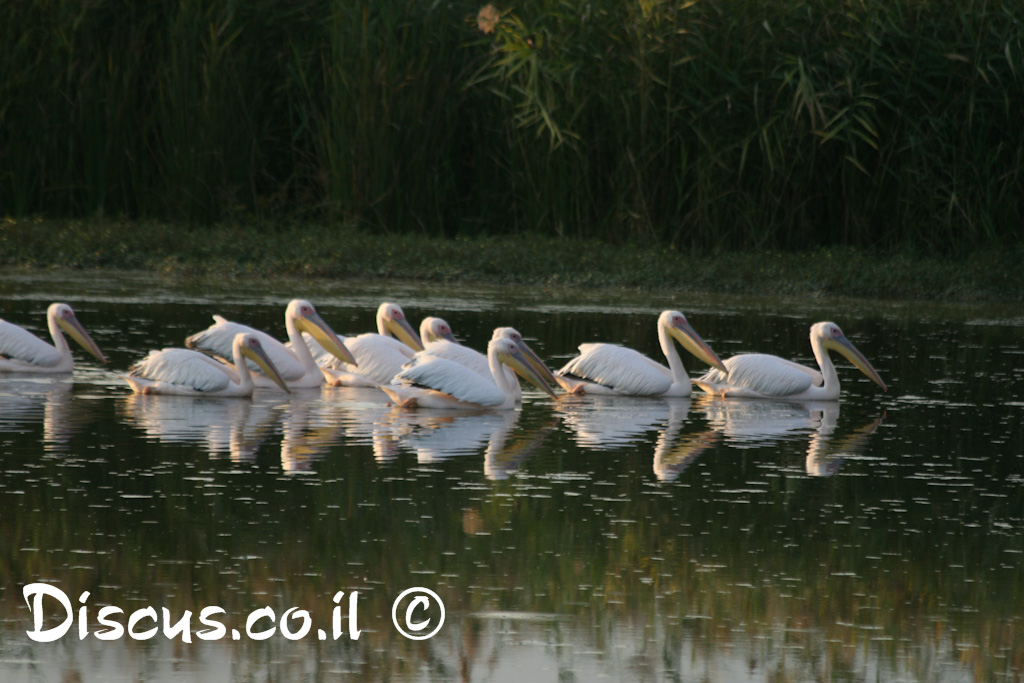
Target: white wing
x: 619, y: 368
x: 19, y: 344
x: 453, y: 379
x: 765, y: 374
x: 185, y: 368
x: 379, y: 358
x: 463, y: 355
x: 218, y: 338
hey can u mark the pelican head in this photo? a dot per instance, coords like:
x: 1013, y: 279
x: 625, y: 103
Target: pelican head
x: 677, y: 326
x: 64, y: 317
x: 833, y: 339
x: 434, y: 329
x: 251, y: 348
x: 390, y: 318
x: 308, y: 320
x: 511, y: 355
x: 532, y: 358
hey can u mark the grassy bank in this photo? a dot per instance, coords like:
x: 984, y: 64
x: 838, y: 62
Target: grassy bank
x: 792, y: 124
x: 313, y: 250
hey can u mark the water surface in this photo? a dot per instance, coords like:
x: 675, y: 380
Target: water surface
x: 877, y: 538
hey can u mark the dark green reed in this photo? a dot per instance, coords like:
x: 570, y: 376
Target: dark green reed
x: 737, y: 124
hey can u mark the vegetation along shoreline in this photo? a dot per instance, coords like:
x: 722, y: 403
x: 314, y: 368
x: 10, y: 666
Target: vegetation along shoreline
x: 316, y: 250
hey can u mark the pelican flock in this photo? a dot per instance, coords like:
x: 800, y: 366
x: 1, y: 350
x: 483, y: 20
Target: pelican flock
x: 451, y: 350
x: 184, y: 372
x: 435, y: 382
x: 378, y: 356
x: 22, y: 351
x: 431, y: 368
x: 293, y: 361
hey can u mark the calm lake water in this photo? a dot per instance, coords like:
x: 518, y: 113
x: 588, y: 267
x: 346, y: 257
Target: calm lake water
x: 880, y: 538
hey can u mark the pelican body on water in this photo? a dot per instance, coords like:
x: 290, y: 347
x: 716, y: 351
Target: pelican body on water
x: 293, y: 361
x: 613, y: 370
x: 759, y: 375
x: 434, y: 382
x: 22, y: 351
x: 184, y: 372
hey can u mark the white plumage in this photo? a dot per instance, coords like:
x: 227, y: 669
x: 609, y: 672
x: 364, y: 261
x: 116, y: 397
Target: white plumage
x: 452, y: 379
x: 293, y: 361
x: 22, y: 351
x: 757, y: 375
x: 457, y: 353
x: 432, y: 382
x: 379, y: 355
x: 478, y: 363
x: 183, y: 372
x: 613, y: 370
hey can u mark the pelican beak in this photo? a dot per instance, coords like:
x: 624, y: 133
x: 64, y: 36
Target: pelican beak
x: 448, y: 336
x: 404, y: 333
x: 537, y: 364
x: 260, y: 358
x: 325, y: 336
x: 846, y: 347
x: 74, y: 329
x: 524, y: 368
x: 692, y: 342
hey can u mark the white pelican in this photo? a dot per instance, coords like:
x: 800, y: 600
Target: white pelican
x: 478, y: 362
x: 184, y: 372
x: 431, y: 382
x: 613, y: 370
x: 22, y: 351
x: 434, y: 330
x: 380, y: 355
x: 759, y: 375
x: 294, y: 362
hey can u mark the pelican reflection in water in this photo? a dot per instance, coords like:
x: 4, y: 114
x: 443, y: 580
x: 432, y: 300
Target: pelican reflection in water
x: 222, y: 427
x: 506, y: 451
x: 27, y: 399
x: 609, y: 423
x: 826, y: 455
x: 311, y: 427
x: 760, y: 423
x: 436, y: 435
x: 615, y: 423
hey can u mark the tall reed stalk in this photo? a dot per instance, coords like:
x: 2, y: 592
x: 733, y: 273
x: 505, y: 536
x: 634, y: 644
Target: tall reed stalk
x: 691, y: 123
